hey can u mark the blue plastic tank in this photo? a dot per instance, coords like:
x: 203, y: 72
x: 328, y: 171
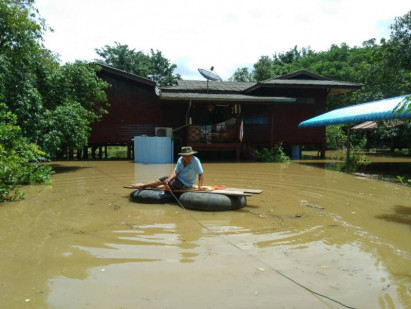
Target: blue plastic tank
x: 153, y: 149
x: 295, y: 152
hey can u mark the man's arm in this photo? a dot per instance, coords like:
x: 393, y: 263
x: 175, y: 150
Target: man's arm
x: 200, y: 182
x: 172, y: 176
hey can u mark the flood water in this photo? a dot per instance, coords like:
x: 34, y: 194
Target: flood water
x: 81, y: 243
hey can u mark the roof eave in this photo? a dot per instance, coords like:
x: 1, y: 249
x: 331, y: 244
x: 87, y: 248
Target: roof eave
x: 343, y: 88
x: 126, y: 75
x: 223, y: 98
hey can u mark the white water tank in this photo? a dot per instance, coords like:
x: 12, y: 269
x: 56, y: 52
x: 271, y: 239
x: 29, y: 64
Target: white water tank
x: 164, y: 131
x: 153, y: 149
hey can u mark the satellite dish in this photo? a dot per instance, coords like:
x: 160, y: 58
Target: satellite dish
x: 210, y: 75
x: 157, y: 91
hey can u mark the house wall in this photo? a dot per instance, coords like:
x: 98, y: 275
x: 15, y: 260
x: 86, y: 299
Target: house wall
x: 134, y: 110
x: 270, y: 124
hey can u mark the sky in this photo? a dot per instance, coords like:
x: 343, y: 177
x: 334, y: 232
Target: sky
x: 225, y: 34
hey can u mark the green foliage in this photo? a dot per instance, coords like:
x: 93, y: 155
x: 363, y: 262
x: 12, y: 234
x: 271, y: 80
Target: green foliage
x: 54, y: 104
x: 153, y: 66
x: 242, y: 75
x: 404, y: 105
x: 263, y: 69
x: 73, y: 98
x: 400, y: 40
x: 19, y: 160
x: 276, y: 154
x: 404, y: 181
x: 117, y: 152
x: 356, y: 161
x: 335, y: 137
x: 65, y: 126
x: 20, y: 27
x: 75, y: 82
x: 383, y: 68
x: 393, y: 133
x: 161, y: 71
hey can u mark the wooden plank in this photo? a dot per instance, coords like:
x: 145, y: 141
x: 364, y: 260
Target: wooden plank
x: 253, y: 191
x: 225, y: 192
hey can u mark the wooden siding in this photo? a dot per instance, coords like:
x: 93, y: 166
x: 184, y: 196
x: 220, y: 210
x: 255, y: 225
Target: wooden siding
x: 134, y: 110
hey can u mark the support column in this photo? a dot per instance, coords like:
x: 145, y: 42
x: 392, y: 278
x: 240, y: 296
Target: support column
x: 347, y: 157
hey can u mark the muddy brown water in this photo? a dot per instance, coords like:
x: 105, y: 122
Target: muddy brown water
x: 81, y: 243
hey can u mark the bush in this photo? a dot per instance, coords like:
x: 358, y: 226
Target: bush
x: 335, y: 137
x: 357, y: 160
x: 276, y: 154
x: 403, y: 180
x: 20, y: 161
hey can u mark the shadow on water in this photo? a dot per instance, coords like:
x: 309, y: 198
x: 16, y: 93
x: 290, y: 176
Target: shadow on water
x: 59, y: 169
x: 402, y: 215
x: 391, y: 169
x: 379, y: 170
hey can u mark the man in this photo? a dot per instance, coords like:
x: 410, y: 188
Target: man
x: 185, y: 174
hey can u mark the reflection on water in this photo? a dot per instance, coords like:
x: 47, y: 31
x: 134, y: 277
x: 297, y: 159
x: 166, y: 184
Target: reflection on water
x: 402, y: 215
x: 81, y: 242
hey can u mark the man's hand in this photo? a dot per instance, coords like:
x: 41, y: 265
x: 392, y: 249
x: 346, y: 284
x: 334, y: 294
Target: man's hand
x: 166, y: 186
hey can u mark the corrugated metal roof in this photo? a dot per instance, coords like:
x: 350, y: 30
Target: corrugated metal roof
x: 299, y: 79
x: 309, y: 82
x: 336, y: 87
x: 368, y: 125
x: 200, y: 85
x: 376, y: 110
x: 222, y: 97
x: 126, y: 75
x: 302, y: 74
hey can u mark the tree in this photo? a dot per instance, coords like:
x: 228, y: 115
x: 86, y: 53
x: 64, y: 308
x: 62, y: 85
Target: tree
x: 19, y: 160
x: 242, y: 75
x: 36, y: 88
x: 123, y: 58
x: 20, y: 26
x: 41, y: 102
x: 400, y: 41
x: 161, y: 71
x: 153, y: 66
x: 263, y: 69
x: 73, y: 98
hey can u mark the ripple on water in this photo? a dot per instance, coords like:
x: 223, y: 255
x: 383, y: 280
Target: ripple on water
x: 337, y: 233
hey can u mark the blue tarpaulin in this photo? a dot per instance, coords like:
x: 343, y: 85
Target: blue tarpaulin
x: 370, y: 111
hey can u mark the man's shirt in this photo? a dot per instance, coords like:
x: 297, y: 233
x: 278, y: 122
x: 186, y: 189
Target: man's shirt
x: 188, y: 174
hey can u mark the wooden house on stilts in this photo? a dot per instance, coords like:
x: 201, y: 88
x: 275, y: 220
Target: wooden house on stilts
x: 208, y: 115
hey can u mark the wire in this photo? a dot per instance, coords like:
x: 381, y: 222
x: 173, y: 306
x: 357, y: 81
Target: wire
x: 249, y: 254
x: 257, y: 258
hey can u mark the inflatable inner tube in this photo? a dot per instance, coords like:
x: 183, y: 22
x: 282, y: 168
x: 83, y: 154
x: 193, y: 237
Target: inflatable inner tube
x: 152, y: 197
x: 191, y: 200
x: 211, y: 202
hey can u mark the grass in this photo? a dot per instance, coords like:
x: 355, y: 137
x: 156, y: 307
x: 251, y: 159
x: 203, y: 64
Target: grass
x: 117, y: 152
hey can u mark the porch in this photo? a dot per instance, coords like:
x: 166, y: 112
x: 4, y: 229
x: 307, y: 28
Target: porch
x: 222, y: 137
